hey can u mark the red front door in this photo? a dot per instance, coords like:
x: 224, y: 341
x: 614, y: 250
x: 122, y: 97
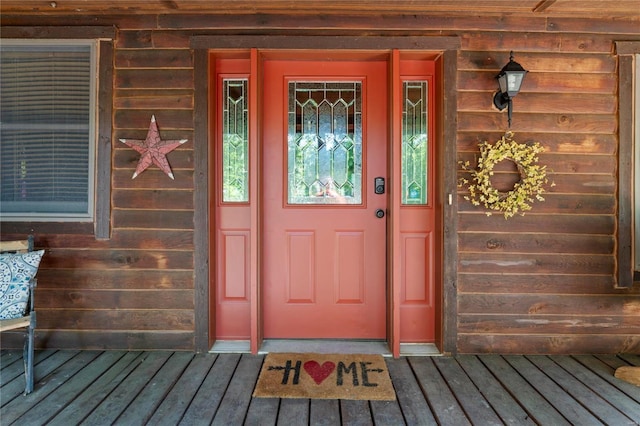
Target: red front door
x: 323, y: 243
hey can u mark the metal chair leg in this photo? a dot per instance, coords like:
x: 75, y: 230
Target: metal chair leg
x: 28, y: 357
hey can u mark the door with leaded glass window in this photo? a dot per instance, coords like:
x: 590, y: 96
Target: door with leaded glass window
x: 325, y: 208
x: 324, y: 223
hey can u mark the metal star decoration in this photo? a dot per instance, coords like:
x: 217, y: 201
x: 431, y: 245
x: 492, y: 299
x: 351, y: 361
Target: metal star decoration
x: 153, y: 150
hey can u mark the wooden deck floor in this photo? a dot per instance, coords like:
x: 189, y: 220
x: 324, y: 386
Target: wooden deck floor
x: 171, y: 388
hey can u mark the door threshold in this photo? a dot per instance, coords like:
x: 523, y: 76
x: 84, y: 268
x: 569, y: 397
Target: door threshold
x: 419, y: 349
x: 230, y: 347
x: 325, y: 346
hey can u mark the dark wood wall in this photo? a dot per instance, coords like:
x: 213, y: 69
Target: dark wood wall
x: 545, y: 282
x: 541, y: 283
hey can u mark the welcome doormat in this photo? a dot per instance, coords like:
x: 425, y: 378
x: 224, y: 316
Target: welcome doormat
x: 629, y: 374
x: 324, y: 376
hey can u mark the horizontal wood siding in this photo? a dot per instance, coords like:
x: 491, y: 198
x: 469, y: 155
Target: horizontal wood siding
x: 541, y: 283
x: 545, y: 282
x: 135, y: 290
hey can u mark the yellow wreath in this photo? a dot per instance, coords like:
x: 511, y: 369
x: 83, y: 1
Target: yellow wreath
x: 528, y: 189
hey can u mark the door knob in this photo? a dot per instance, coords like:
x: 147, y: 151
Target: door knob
x: 379, y: 213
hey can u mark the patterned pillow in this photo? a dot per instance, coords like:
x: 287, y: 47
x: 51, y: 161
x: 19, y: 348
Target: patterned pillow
x: 16, y: 270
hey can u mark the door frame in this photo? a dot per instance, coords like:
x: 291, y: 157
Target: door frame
x: 443, y: 50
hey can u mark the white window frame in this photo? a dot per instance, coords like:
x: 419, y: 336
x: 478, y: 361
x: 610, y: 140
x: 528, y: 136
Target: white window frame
x: 89, y: 214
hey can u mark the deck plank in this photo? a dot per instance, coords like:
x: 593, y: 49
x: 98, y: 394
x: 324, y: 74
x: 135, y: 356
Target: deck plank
x: 476, y: 407
x: 168, y: 388
x: 9, y: 356
x: 67, y: 392
x: 442, y: 401
x: 324, y: 412
x: 293, y: 412
x: 206, y: 401
x: 108, y: 411
x: 613, y: 361
x: 510, y: 412
x: 386, y: 413
x: 177, y: 401
x: 597, y: 405
x: 154, y: 392
x: 235, y: 402
x: 15, y: 387
x: 91, y: 397
x: 567, y: 406
x: 605, y: 371
x: 600, y: 386
x: 19, y: 406
x: 412, y: 401
x: 538, y: 408
x: 356, y: 413
x: 263, y: 411
x: 13, y: 365
x: 632, y: 359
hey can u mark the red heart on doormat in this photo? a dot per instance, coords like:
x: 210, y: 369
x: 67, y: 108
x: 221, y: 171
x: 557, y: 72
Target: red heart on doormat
x: 319, y: 372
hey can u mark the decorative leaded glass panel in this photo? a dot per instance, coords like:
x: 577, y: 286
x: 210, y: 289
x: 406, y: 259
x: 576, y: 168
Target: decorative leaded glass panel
x: 325, y: 143
x: 414, y: 142
x: 235, y: 141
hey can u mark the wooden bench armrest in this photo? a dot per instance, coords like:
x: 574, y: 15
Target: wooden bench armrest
x: 10, y: 324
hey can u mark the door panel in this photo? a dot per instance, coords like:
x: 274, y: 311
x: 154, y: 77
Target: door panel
x: 324, y: 248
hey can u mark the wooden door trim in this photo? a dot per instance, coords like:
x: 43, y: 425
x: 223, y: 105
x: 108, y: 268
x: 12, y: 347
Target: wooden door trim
x: 255, y: 165
x: 288, y: 42
x: 445, y: 50
x: 201, y: 237
x: 394, y: 257
x: 447, y: 199
x: 625, y: 248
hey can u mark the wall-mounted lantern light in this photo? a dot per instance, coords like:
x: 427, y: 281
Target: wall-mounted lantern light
x: 509, y: 79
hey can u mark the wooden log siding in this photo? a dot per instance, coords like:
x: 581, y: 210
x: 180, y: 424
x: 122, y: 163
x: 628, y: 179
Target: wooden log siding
x: 545, y: 282
x: 541, y: 283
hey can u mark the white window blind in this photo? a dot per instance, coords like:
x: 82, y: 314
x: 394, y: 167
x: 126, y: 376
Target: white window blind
x: 47, y: 130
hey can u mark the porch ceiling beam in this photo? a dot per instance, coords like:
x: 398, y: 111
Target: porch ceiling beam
x: 571, y: 8
x: 436, y: 43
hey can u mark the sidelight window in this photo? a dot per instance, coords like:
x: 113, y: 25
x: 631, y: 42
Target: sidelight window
x: 414, y: 142
x: 235, y: 141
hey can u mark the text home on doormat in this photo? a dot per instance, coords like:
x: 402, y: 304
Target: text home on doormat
x: 325, y: 376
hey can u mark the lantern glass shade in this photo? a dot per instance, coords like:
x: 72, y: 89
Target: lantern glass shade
x: 510, y: 78
x: 510, y: 82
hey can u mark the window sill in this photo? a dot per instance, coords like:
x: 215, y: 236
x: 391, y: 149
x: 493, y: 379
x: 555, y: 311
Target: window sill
x: 42, y: 228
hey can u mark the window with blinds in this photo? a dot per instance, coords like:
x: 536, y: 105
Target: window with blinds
x: 47, y: 129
